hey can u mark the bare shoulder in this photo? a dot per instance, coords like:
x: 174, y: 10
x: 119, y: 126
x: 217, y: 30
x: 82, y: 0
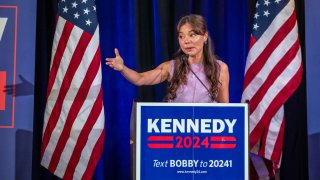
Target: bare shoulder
x: 223, y: 67
x: 165, y: 66
x: 165, y: 69
x: 223, y: 95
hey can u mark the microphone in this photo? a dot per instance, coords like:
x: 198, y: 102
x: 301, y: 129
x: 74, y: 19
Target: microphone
x: 185, y: 57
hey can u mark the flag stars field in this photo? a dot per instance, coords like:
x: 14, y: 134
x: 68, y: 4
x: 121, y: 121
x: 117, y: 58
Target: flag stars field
x: 86, y: 11
x: 88, y: 22
x: 277, y: 1
x: 266, y: 2
x: 256, y: 15
x: 266, y: 13
x: 74, y: 4
x: 76, y: 15
x: 65, y: 9
x: 257, y: 4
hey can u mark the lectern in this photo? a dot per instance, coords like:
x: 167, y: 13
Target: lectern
x: 189, y: 141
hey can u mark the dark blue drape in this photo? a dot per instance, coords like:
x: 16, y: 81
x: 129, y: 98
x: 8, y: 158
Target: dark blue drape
x: 228, y: 27
x: 116, y: 20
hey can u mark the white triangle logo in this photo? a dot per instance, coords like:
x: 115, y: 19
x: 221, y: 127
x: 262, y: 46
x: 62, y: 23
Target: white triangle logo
x: 3, y: 22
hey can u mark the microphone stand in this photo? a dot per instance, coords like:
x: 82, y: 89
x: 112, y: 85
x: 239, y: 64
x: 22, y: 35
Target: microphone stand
x: 185, y: 57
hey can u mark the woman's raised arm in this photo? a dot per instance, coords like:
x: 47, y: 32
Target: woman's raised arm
x: 151, y: 77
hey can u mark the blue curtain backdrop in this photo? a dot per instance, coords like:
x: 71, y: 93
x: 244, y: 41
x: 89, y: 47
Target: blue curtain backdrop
x: 117, y: 26
x: 144, y: 33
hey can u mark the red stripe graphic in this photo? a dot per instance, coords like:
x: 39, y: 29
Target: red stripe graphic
x: 160, y: 138
x: 2, y: 90
x: 222, y: 138
x: 222, y: 146
x: 161, y: 146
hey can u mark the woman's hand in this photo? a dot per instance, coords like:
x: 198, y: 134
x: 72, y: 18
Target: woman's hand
x: 117, y: 62
x: 154, y: 76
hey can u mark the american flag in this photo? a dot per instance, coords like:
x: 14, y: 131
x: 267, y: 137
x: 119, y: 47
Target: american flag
x: 73, y: 131
x: 273, y: 72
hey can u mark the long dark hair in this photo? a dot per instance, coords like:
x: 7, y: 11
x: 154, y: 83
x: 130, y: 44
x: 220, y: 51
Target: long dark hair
x: 182, y: 67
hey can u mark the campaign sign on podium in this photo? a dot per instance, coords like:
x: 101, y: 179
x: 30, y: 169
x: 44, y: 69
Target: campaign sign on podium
x: 191, y: 141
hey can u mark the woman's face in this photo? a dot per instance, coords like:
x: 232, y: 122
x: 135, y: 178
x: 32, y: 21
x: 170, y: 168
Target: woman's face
x: 190, y: 42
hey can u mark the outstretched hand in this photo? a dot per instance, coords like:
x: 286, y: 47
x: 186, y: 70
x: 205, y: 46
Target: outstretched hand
x: 117, y: 62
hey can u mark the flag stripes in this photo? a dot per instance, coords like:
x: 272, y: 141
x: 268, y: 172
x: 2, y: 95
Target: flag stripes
x: 277, y: 148
x: 273, y: 102
x: 75, y: 108
x: 273, y: 72
x: 259, y: 46
x: 94, y: 157
x: 63, y: 60
x: 260, y: 61
x: 73, y: 132
x: 61, y: 47
x: 84, y: 135
x: 268, y: 139
x: 67, y: 80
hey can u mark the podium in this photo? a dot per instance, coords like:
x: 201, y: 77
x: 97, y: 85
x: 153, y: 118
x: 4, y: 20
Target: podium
x: 183, y: 141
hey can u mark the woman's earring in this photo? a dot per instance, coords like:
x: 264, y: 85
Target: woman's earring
x: 206, y: 42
